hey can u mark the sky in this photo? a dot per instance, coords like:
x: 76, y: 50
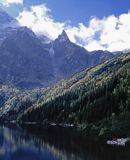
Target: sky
x: 93, y: 24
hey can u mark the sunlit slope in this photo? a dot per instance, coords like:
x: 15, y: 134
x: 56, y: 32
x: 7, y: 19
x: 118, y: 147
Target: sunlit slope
x: 96, y: 97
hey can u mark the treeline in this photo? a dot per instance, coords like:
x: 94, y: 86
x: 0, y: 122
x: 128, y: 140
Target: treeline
x: 102, y: 106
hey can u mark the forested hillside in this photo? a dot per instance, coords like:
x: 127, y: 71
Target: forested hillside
x: 97, y: 100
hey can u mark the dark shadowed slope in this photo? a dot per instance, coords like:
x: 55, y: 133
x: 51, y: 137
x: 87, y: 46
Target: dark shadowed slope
x: 98, y: 99
x: 28, y: 60
x: 23, y: 60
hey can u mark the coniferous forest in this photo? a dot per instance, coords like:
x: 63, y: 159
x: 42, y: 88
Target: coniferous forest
x: 64, y: 80
x: 96, y: 100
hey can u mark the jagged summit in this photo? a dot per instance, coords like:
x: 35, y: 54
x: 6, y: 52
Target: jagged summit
x: 63, y: 37
x: 25, y: 31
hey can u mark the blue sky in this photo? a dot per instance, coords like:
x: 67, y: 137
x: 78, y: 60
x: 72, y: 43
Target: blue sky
x: 77, y: 10
x: 93, y: 24
x: 81, y: 10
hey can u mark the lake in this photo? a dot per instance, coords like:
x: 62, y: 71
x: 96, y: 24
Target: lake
x: 54, y: 143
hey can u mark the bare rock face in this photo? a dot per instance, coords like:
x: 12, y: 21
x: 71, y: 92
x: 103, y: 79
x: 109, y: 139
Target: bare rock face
x: 70, y: 58
x: 7, y: 25
x: 28, y: 60
x: 23, y: 60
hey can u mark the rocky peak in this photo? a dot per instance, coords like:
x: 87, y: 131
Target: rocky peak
x: 25, y: 31
x: 63, y: 37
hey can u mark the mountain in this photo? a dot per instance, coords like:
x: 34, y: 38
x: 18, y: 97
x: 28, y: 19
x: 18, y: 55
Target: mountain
x: 28, y: 60
x: 14, y: 101
x: 99, y: 56
x: 94, y: 97
x: 6, y: 20
x: 7, y: 25
x: 70, y: 58
x: 97, y: 100
x: 45, y: 40
x: 23, y: 60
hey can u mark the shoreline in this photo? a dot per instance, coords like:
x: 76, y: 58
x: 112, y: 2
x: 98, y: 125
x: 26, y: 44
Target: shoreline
x: 120, y: 141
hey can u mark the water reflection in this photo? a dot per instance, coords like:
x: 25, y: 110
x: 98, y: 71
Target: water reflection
x: 54, y: 143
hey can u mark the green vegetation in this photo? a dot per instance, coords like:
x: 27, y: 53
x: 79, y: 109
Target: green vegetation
x: 97, y: 100
x: 14, y: 101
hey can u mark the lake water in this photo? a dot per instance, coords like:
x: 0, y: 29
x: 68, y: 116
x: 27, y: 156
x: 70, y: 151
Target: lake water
x: 54, y: 143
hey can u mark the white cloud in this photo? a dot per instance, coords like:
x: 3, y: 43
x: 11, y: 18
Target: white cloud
x: 109, y: 33
x: 39, y: 19
x: 9, y: 2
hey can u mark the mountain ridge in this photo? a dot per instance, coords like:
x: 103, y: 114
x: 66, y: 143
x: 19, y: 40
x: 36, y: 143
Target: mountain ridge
x: 82, y: 79
x: 60, y: 82
x: 97, y: 100
x: 29, y: 61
